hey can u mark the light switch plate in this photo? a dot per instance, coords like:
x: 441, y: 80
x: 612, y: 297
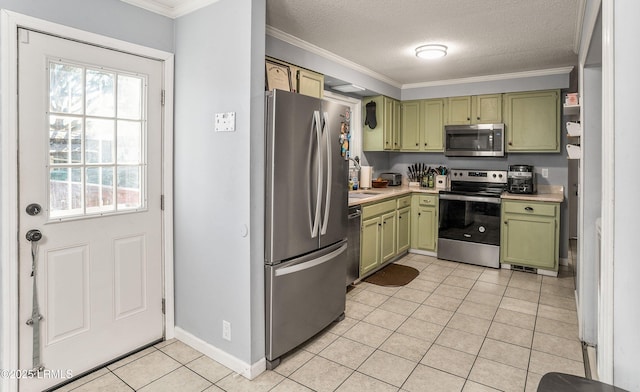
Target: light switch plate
x: 225, y: 122
x: 545, y: 172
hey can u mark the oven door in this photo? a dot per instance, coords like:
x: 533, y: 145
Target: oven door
x: 469, y: 219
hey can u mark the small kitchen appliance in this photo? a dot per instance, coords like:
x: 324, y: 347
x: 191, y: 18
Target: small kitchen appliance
x: 395, y: 179
x: 521, y: 179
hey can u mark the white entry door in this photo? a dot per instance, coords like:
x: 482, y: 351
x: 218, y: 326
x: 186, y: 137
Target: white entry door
x: 90, y: 166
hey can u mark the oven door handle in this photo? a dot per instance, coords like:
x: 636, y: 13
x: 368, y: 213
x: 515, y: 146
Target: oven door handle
x: 491, y: 200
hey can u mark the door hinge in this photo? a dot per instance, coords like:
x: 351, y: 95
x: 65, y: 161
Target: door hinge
x: 162, y: 94
x: 163, y: 306
x: 162, y: 202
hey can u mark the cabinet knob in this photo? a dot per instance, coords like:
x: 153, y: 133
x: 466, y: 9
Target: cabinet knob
x: 478, y: 118
x: 468, y: 118
x: 379, y: 224
x: 506, y: 222
x: 417, y: 144
x: 418, y: 214
x: 511, y: 143
x: 528, y: 208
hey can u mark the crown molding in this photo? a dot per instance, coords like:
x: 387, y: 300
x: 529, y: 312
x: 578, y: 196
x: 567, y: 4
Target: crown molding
x: 183, y: 8
x: 491, y: 78
x: 295, y: 41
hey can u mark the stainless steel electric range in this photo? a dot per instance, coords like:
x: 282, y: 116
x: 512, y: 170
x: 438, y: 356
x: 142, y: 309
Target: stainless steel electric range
x: 469, y: 222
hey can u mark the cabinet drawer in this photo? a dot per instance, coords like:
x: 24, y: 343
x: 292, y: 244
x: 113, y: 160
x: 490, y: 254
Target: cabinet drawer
x: 543, y: 209
x: 430, y: 200
x: 378, y: 208
x: 404, y: 201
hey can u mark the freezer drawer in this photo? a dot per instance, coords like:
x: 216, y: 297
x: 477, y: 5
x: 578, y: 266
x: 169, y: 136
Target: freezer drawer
x: 304, y: 296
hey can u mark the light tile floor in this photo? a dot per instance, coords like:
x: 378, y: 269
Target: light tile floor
x: 456, y: 327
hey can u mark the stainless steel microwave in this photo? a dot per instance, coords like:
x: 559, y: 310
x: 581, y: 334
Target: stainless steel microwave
x: 481, y: 140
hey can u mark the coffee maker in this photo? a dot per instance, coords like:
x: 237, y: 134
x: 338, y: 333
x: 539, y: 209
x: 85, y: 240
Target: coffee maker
x: 521, y: 179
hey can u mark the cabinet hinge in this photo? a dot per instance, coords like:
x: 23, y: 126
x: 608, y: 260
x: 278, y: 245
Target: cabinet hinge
x: 162, y: 202
x: 162, y: 94
x: 163, y: 306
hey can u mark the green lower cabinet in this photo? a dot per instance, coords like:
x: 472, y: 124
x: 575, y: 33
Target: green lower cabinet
x: 388, y: 236
x: 424, y: 222
x: 530, y: 234
x: 404, y: 230
x: 370, y: 244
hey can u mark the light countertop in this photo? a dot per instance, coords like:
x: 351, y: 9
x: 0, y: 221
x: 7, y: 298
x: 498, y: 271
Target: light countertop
x: 546, y: 193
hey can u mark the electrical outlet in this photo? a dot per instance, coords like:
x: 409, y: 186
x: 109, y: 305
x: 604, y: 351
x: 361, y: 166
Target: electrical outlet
x: 226, y: 330
x: 545, y: 172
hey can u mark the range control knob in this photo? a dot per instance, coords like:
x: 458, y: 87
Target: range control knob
x: 500, y: 175
x: 494, y: 175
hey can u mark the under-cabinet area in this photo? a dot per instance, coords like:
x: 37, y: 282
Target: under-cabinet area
x: 401, y: 220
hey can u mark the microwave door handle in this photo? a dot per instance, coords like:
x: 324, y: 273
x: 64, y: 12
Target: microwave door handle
x: 326, y: 133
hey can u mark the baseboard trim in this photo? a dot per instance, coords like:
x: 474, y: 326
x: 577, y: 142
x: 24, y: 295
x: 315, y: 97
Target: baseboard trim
x: 237, y: 365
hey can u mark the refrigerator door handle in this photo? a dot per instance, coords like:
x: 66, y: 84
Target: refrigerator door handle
x: 326, y: 132
x: 316, y: 220
x: 310, y: 264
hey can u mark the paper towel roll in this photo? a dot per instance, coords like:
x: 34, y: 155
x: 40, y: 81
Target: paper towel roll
x: 365, y: 176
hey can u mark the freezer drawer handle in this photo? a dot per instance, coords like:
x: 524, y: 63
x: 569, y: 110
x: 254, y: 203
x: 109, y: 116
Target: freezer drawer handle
x: 303, y: 266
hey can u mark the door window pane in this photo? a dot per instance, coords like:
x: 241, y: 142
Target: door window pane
x: 65, y: 139
x: 129, y: 97
x: 65, y: 191
x: 65, y: 88
x: 96, y: 141
x: 99, y: 189
x: 129, y: 142
x: 99, y: 141
x: 100, y: 94
x: 129, y: 195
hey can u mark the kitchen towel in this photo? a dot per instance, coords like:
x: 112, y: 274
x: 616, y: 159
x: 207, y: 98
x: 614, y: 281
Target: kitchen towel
x: 365, y: 176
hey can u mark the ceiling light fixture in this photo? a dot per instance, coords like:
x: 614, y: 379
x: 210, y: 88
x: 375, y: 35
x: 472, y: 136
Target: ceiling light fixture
x: 348, y: 88
x: 431, y: 51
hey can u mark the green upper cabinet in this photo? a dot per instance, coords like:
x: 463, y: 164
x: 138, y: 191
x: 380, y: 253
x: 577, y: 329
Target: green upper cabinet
x: 477, y: 109
x: 532, y: 121
x: 385, y: 136
x: 530, y: 234
x: 411, y: 125
x: 486, y: 109
x: 433, y: 129
x: 459, y: 110
x: 422, y: 125
x: 310, y: 83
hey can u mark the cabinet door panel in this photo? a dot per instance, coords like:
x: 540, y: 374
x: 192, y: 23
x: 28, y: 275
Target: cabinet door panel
x: 487, y: 109
x: 459, y: 109
x: 529, y: 241
x: 370, y: 245
x: 427, y: 230
x: 433, y: 128
x: 533, y: 121
x: 388, y: 236
x: 404, y: 229
x: 411, y: 126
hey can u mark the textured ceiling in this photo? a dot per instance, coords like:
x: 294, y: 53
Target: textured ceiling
x: 485, y: 37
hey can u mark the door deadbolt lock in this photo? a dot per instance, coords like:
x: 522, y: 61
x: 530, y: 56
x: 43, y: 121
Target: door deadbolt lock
x: 33, y: 209
x: 34, y: 235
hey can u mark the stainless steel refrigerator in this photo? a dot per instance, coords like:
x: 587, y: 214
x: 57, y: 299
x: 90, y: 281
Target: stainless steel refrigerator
x: 305, y: 219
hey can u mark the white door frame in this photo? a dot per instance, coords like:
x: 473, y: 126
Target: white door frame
x: 9, y: 23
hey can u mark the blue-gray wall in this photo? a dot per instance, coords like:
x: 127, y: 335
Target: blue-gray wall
x: 112, y: 18
x: 219, y: 191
